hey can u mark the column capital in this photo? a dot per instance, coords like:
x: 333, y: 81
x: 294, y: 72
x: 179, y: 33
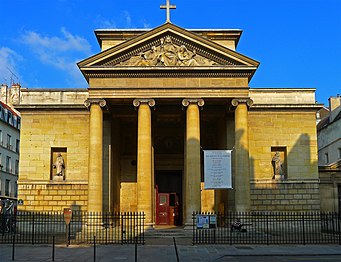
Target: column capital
x: 187, y: 101
x: 237, y: 101
x: 150, y: 101
x: 101, y: 102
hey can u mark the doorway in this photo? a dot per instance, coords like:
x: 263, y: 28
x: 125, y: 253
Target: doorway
x: 168, y: 197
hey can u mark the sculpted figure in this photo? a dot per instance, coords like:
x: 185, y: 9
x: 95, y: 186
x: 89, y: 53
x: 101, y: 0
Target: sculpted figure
x: 168, y: 52
x: 59, y: 165
x: 277, y: 166
x: 149, y: 58
x: 153, y: 56
x: 185, y: 58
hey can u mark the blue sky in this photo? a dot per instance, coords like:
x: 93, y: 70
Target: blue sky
x: 297, y: 42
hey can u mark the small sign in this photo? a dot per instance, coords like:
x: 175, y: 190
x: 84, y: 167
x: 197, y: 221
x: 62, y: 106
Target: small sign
x: 20, y: 202
x: 67, y: 215
x: 206, y: 221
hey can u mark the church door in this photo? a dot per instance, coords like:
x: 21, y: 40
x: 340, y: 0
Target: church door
x: 168, y: 197
x: 162, y: 209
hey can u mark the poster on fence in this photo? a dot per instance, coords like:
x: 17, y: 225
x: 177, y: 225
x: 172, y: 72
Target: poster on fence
x: 206, y: 221
x: 217, y: 169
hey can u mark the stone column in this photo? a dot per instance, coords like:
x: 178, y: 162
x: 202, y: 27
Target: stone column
x: 95, y: 180
x: 192, y: 179
x: 144, y: 159
x: 241, y: 155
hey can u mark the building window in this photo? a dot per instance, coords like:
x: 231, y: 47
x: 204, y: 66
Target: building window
x: 1, y: 113
x: 15, y: 121
x: 17, y: 145
x: 9, y: 141
x: 7, y: 187
x: 16, y: 167
x: 8, y: 164
x: 10, y: 118
x: 326, y: 158
x: 0, y: 187
x: 339, y: 152
x: 18, y: 122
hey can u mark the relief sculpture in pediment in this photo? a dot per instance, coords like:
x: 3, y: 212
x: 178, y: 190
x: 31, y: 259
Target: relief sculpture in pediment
x: 168, y: 54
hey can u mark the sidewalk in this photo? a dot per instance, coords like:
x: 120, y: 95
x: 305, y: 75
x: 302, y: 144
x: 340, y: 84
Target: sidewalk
x: 163, y: 253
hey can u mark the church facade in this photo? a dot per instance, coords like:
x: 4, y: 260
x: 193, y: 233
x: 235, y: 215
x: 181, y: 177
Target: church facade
x: 133, y: 140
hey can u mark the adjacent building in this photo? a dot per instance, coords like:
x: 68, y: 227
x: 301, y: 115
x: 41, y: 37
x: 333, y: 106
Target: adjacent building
x: 329, y: 152
x: 10, y: 122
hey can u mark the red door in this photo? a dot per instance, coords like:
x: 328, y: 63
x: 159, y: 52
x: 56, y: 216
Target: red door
x: 162, y: 216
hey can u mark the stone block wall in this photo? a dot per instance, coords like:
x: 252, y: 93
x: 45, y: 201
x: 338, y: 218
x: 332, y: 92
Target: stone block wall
x: 45, y: 130
x: 52, y: 196
x: 293, y: 130
x: 41, y: 132
x: 285, y: 196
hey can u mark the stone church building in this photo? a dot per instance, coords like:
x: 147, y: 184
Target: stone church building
x: 134, y: 139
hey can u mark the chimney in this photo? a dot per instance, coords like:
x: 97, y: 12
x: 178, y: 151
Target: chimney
x: 3, y: 93
x: 14, y: 98
x: 334, y: 106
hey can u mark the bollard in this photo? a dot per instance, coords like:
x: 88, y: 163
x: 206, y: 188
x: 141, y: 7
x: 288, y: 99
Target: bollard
x: 94, y: 248
x: 53, y: 238
x: 69, y: 235
x: 135, y: 250
x: 176, y: 250
x: 13, y: 246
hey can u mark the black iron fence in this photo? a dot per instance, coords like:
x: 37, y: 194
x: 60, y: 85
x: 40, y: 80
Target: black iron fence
x: 266, y: 228
x: 41, y: 227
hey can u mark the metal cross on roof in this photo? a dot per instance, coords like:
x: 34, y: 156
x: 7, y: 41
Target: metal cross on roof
x: 168, y: 7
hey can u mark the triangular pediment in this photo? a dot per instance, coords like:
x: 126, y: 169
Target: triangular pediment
x: 168, y: 46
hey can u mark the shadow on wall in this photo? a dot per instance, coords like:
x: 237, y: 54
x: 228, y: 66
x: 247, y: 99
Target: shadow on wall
x: 239, y: 148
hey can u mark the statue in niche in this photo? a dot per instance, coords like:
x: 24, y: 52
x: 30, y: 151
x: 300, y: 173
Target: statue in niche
x: 277, y: 166
x: 59, y: 165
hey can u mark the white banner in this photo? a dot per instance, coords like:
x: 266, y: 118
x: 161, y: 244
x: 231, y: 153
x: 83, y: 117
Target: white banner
x: 217, y: 169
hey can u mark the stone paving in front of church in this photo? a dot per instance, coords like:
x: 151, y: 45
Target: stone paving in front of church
x: 165, y: 253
